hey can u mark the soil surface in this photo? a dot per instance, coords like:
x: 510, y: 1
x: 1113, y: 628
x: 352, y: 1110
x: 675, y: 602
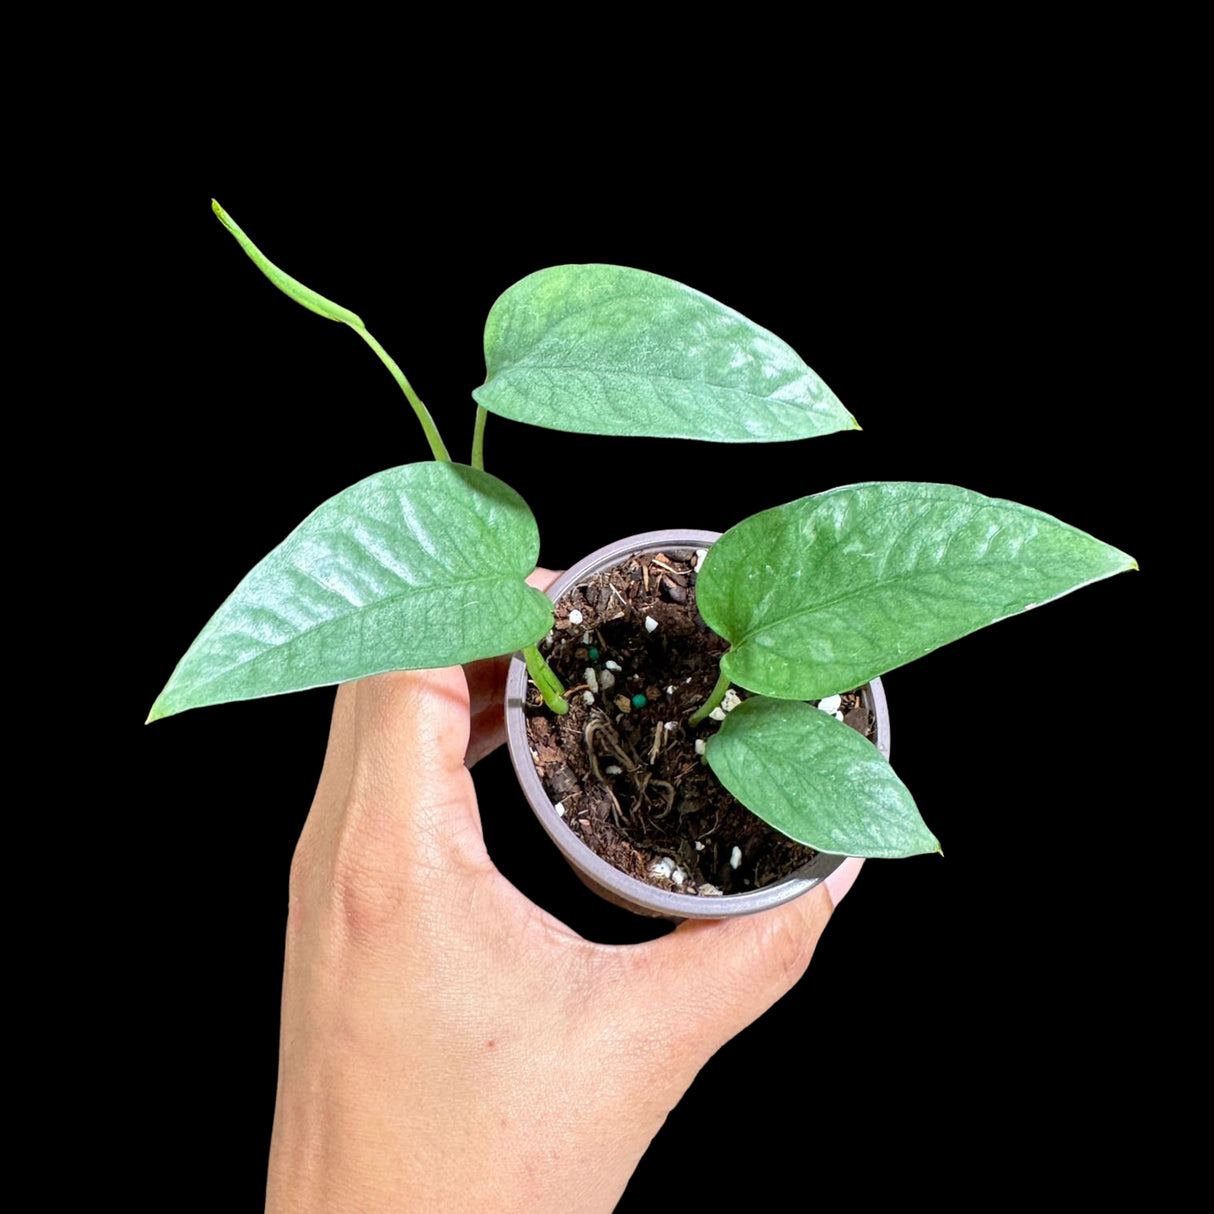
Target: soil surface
x: 626, y: 774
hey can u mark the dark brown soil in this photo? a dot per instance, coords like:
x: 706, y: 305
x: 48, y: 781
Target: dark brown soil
x: 628, y: 778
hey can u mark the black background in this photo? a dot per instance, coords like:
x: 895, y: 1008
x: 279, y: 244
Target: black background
x: 967, y: 310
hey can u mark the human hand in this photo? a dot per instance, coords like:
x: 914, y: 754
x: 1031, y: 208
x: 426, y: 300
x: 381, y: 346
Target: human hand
x: 448, y: 1045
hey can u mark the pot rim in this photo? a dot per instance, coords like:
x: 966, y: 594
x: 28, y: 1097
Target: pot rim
x: 605, y: 879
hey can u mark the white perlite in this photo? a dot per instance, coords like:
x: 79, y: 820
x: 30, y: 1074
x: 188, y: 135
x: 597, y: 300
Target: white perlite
x: 699, y: 845
x: 613, y: 665
x: 718, y: 713
x: 560, y: 809
x: 575, y: 616
x: 700, y: 748
x: 606, y: 680
x: 701, y: 553
x: 590, y: 678
x: 830, y: 704
x: 735, y: 857
x: 709, y: 891
x: 650, y: 624
x: 678, y: 876
x: 587, y: 697
x: 670, y: 726
x: 670, y: 690
x: 614, y: 770
x: 664, y: 867
x: 731, y: 700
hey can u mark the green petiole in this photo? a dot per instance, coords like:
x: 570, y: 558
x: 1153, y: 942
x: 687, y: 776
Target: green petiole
x: 478, y: 438
x: 550, y: 687
x: 715, y: 697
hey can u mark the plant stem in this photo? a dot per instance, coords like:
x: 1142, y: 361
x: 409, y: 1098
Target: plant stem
x: 550, y: 687
x: 423, y: 414
x: 478, y: 439
x: 716, y: 696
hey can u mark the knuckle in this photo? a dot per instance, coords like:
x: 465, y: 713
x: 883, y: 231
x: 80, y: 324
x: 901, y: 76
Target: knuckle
x: 301, y: 883
x: 784, y: 947
x: 303, y: 865
x: 348, y: 872
x: 367, y: 903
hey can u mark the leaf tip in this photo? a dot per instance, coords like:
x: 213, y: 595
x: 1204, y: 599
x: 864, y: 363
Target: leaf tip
x: 160, y: 709
x: 855, y: 425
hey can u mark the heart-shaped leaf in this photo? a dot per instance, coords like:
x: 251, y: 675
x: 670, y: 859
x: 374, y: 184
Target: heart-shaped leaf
x: 822, y: 594
x: 816, y: 780
x: 415, y: 567
x: 607, y: 350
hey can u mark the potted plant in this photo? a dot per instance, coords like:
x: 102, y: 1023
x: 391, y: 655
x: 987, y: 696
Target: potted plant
x: 659, y: 865
x: 424, y: 565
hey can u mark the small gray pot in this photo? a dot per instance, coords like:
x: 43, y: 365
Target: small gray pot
x: 605, y: 880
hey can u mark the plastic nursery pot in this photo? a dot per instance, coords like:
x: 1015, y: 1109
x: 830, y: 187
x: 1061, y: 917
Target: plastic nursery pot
x: 606, y: 880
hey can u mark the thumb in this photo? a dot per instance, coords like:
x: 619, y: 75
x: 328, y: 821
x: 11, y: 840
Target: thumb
x: 394, y: 787
x: 726, y: 973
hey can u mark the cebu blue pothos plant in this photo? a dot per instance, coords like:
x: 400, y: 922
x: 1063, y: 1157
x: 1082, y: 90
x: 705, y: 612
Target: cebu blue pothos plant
x: 424, y: 565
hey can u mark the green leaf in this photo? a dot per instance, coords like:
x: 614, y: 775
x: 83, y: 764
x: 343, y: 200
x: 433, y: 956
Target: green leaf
x: 607, y: 350
x: 305, y: 296
x: 816, y: 780
x: 822, y: 594
x: 315, y: 302
x: 415, y: 567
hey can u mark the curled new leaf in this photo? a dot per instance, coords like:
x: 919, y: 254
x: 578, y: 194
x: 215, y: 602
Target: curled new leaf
x: 304, y: 296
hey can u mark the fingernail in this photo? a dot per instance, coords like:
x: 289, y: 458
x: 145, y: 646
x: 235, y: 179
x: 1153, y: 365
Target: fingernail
x: 840, y: 881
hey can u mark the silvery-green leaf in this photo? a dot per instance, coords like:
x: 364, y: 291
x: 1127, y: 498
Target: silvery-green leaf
x: 822, y: 594
x: 599, y: 349
x: 415, y: 567
x: 816, y: 780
